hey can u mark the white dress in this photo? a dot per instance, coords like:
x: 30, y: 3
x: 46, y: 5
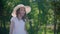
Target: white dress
x: 19, y: 26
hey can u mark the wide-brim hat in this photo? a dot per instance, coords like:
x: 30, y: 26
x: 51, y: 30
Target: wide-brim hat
x: 27, y: 8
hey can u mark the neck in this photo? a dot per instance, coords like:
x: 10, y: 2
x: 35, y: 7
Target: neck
x: 19, y: 17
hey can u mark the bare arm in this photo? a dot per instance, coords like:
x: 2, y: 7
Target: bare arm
x: 11, y: 27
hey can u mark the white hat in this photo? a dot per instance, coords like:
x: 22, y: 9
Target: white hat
x: 27, y: 8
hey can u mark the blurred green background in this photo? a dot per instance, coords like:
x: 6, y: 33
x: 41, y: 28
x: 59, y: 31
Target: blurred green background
x: 44, y: 16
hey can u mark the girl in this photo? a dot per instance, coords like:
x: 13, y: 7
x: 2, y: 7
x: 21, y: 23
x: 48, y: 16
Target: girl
x: 17, y: 25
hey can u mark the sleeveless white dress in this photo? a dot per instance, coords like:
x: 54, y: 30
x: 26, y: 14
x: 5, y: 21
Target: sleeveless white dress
x: 19, y: 26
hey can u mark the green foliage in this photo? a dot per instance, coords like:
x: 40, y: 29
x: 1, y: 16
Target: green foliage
x: 41, y: 17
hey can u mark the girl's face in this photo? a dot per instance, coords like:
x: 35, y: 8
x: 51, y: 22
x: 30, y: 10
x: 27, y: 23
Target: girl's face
x: 21, y: 13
